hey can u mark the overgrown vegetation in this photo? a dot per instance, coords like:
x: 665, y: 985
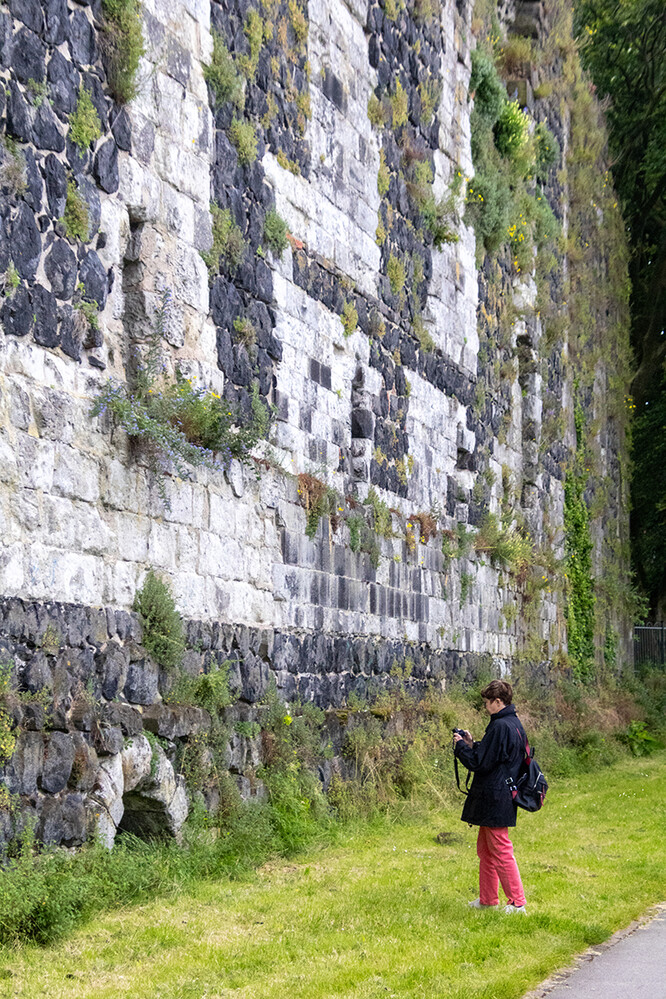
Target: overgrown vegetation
x: 501, y: 202
x: 123, y: 43
x: 578, y: 546
x: 177, y: 425
x: 393, y: 759
x: 163, y: 632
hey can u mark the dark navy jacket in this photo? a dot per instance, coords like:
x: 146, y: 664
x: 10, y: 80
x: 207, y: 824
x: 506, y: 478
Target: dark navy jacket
x: 498, y: 755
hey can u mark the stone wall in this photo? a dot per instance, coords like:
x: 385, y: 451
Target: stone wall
x: 396, y: 407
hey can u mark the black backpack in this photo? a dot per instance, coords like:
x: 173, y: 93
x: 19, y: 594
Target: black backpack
x: 529, y: 788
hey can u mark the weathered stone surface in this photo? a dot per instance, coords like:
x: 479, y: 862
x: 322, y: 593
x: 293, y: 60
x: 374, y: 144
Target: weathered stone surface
x: 34, y: 184
x: 63, y: 80
x: 19, y: 123
x: 92, y: 275
x: 108, y: 739
x: 25, y: 242
x: 58, y: 760
x: 27, y: 12
x: 16, y: 313
x: 28, y: 57
x: 122, y: 130
x: 124, y: 716
x: 25, y: 767
x: 106, y: 166
x: 37, y: 674
x: 45, y: 130
x: 137, y: 757
x: 56, y: 185
x: 57, y: 21
x: 82, y: 44
x: 84, y: 765
x: 107, y: 792
x: 175, y: 721
x: 112, y: 663
x: 61, y: 268
x: 158, y: 804
x: 46, y: 317
x: 141, y: 684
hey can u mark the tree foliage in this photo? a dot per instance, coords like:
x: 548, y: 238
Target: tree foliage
x: 624, y: 47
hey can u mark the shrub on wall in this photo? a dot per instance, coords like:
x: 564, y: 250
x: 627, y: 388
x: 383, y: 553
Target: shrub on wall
x: 222, y: 75
x: 163, y: 633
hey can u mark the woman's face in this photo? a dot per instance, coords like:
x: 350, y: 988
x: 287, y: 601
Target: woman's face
x: 492, y: 707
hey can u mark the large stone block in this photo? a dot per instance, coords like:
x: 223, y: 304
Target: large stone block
x: 141, y: 685
x: 175, y: 721
x: 58, y: 760
x: 25, y: 767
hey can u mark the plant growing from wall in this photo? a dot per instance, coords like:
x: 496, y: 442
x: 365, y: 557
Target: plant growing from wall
x: 244, y: 138
x: 13, y: 175
x: 254, y: 32
x: 177, y: 425
x: 12, y: 279
x: 382, y: 518
x: 222, y: 76
x: 75, y: 216
x: 228, y: 243
x: 396, y: 274
x: 84, y: 124
x: 505, y: 545
x: 163, y: 633
x: 7, y: 737
x: 349, y: 318
x: 275, y: 232
x: 399, y: 105
x: 209, y: 690
x: 122, y: 38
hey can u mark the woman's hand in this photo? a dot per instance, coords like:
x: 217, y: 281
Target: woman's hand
x: 468, y: 740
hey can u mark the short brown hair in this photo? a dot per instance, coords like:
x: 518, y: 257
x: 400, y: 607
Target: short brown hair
x: 498, y: 689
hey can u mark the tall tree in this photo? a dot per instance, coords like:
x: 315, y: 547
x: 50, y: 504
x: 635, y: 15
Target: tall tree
x: 623, y: 45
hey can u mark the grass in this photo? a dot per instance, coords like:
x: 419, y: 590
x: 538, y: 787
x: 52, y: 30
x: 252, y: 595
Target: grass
x: 382, y: 911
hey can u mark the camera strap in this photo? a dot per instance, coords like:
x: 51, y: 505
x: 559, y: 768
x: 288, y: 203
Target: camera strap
x: 464, y: 790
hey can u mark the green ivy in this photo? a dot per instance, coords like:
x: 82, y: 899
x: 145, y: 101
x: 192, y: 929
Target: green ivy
x: 579, y: 607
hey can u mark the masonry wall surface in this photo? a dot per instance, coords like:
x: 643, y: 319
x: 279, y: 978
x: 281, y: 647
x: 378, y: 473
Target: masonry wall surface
x: 82, y: 518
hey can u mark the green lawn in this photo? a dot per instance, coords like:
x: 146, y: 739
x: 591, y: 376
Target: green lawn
x: 382, y: 912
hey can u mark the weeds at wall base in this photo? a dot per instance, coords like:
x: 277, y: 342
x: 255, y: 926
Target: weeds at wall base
x: 396, y: 759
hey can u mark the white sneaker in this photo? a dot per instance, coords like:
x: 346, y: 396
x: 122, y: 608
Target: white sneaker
x: 478, y: 904
x: 515, y: 908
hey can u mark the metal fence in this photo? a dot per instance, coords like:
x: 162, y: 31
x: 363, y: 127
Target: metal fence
x: 650, y: 643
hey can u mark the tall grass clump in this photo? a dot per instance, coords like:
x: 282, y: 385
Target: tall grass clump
x: 122, y: 39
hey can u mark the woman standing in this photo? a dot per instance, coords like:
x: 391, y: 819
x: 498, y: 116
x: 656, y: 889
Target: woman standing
x: 489, y: 804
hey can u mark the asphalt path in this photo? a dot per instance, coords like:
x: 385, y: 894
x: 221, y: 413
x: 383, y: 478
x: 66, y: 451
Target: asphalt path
x: 631, y: 965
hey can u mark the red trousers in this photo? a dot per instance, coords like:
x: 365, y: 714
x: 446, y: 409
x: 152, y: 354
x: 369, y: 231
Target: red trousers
x: 497, y: 864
